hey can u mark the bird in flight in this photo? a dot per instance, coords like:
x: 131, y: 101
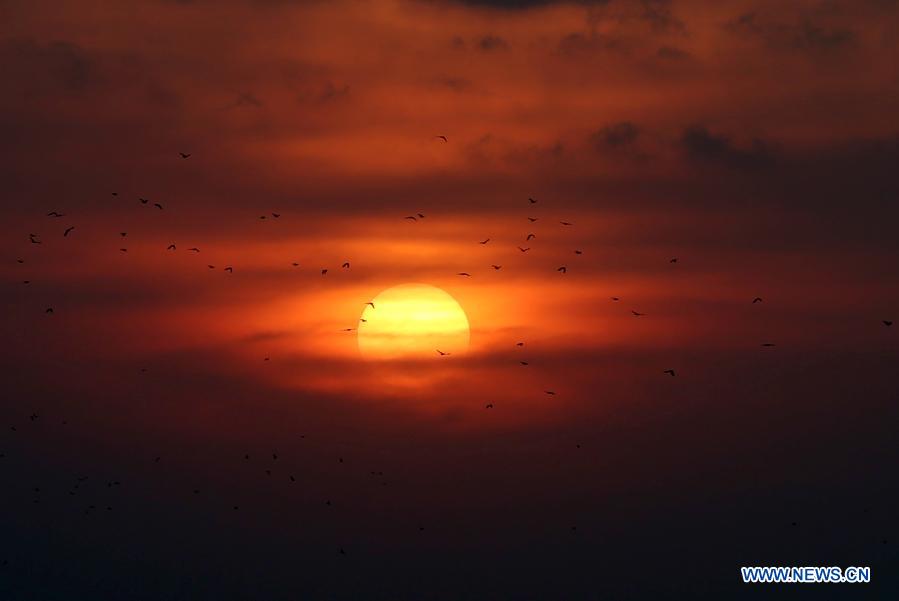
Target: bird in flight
x: 49, y: 310
x: 578, y: 252
x: 525, y: 363
x: 324, y: 271
x: 566, y: 223
x: 489, y: 406
x: 674, y: 260
x: 464, y: 274
x: 637, y: 314
x: 194, y: 249
x: 69, y: 229
x: 348, y: 329
x: 144, y: 201
x: 485, y: 241
x: 757, y: 299
x: 530, y: 236
x: 524, y: 250
x: 33, y: 239
x: 211, y: 266
x: 346, y: 265
x: 562, y: 269
x: 157, y: 205
x: 519, y: 344
x: 55, y: 214
x: 123, y: 234
x: 276, y: 215
x: 497, y: 267
x: 229, y: 269
x: 441, y: 353
x: 533, y: 201
x: 262, y: 217
x: 533, y: 219
x: 171, y: 247
x: 124, y: 250
x: 410, y: 217
x: 887, y: 322
x: 442, y: 138
x: 371, y: 304
x: 550, y: 392
x: 768, y: 344
x: 184, y: 155
x: 615, y: 298
x: 669, y: 371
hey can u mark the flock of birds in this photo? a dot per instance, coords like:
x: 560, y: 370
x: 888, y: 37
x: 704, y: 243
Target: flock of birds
x: 79, y: 483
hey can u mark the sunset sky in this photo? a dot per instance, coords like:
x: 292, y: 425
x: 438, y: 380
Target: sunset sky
x: 757, y: 143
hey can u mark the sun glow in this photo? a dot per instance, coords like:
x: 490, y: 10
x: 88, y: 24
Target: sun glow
x: 413, y: 321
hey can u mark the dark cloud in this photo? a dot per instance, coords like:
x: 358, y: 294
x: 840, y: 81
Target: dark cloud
x: 492, y: 42
x: 701, y: 144
x: 57, y: 66
x: 615, y: 136
x: 804, y: 35
x: 672, y: 53
x: 658, y: 14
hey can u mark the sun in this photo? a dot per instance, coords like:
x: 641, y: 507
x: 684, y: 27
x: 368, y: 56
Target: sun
x: 413, y: 321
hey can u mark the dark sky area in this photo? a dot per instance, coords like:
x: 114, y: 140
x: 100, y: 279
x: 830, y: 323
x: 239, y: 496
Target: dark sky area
x: 176, y: 430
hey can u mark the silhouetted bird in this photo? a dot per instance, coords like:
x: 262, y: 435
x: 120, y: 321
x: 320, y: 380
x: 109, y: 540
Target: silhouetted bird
x: 464, y: 274
x: 441, y: 353
x: 519, y: 344
x: 55, y: 214
x: 674, y: 260
x: 410, y: 217
x: 669, y: 371
x: 523, y: 362
x: 211, y: 266
x: 348, y: 330
x: 262, y: 217
x: 20, y: 260
x: 371, y: 304
x: 485, y: 241
x: 69, y: 229
x: 887, y: 322
x: 157, y: 205
x: 577, y: 252
x: 757, y: 299
x: 768, y: 344
x: 324, y: 271
x: 532, y: 200
x: 615, y: 298
x: 229, y: 269
x: 346, y: 265
x: 144, y: 201
x: 637, y: 314
x: 489, y: 406
x: 49, y: 310
x: 276, y: 215
x: 194, y: 249
x: 171, y: 247
x: 566, y: 223
x: 420, y: 216
x: 184, y: 155
x: 123, y: 234
x: 524, y: 250
x: 562, y: 269
x: 533, y: 219
x: 530, y: 236
x: 497, y: 267
x: 550, y: 392
x: 33, y: 239
x: 442, y: 138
